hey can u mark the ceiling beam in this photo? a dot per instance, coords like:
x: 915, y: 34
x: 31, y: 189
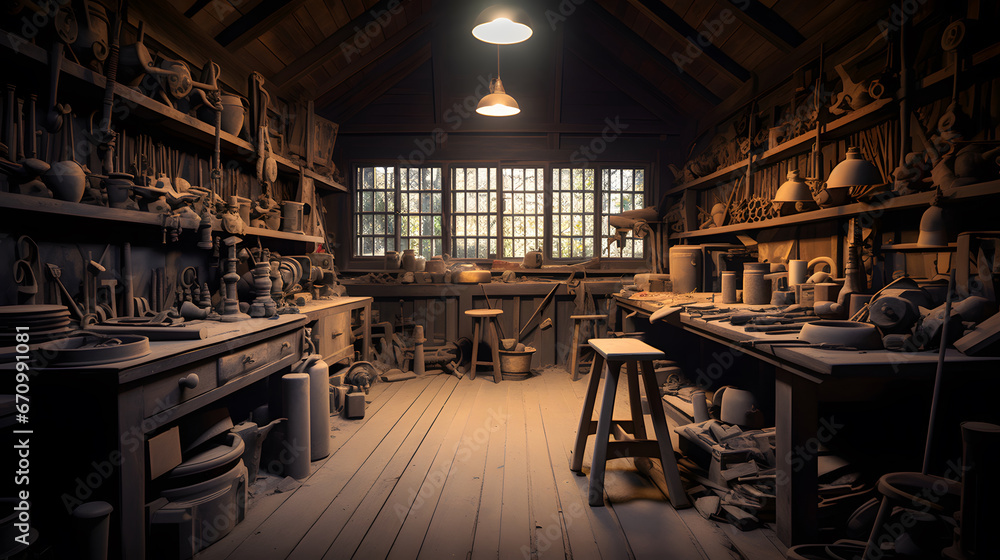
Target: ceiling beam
x: 256, y: 22
x: 320, y: 54
x: 629, y: 82
x: 196, y: 7
x: 389, y: 45
x: 841, y: 30
x: 385, y: 77
x: 669, y: 21
x: 617, y: 27
x: 768, y: 24
x: 522, y: 128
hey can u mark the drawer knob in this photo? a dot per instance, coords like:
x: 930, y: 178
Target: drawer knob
x: 285, y: 345
x: 189, y: 381
x: 247, y: 360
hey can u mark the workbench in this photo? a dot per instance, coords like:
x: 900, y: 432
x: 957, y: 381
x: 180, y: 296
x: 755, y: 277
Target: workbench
x: 331, y: 320
x: 91, y: 423
x: 804, y: 377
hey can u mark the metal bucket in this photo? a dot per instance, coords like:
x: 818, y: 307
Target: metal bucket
x: 516, y: 364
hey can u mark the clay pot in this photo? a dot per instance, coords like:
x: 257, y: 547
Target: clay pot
x: 393, y: 260
x: 409, y: 260
x: 233, y: 113
x: 67, y: 180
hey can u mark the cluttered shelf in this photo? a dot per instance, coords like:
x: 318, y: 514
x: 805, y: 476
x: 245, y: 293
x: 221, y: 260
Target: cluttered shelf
x: 27, y: 203
x: 144, y: 108
x: 846, y: 124
x: 916, y: 200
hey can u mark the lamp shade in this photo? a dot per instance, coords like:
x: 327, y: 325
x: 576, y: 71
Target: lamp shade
x: 793, y: 190
x: 853, y: 171
x: 497, y: 103
x: 502, y: 25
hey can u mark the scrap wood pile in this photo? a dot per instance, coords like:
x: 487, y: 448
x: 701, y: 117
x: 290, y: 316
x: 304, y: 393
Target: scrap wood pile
x: 736, y: 476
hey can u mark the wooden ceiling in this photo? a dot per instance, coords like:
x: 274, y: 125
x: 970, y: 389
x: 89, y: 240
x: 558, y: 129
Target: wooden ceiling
x: 350, y: 56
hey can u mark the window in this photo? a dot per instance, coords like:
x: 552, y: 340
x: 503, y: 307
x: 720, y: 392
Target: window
x: 622, y: 190
x: 573, y: 214
x: 375, y: 206
x: 420, y: 210
x: 523, y: 210
x: 474, y: 212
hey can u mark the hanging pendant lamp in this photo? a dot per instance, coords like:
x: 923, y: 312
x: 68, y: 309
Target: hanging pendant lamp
x: 497, y: 103
x: 502, y: 25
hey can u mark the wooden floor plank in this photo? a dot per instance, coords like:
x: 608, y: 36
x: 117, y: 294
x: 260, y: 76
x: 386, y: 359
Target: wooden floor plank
x: 515, y: 528
x: 362, y: 488
x: 552, y: 523
x: 448, y: 468
x: 341, y: 431
x: 277, y: 536
x: 412, y: 534
x: 364, y: 518
x: 452, y: 529
x: 560, y: 415
x: 412, y: 493
x: 486, y: 543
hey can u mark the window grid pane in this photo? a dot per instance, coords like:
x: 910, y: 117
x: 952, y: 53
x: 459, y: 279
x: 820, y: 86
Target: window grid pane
x: 622, y: 190
x: 523, y: 210
x: 421, y: 227
x: 572, y: 213
x: 375, y: 206
x: 474, y: 212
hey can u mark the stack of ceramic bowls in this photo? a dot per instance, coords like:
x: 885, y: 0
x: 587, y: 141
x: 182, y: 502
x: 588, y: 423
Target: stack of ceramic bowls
x: 40, y: 322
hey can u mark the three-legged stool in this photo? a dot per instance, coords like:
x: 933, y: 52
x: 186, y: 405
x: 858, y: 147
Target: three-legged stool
x: 638, y: 358
x: 485, y: 319
x: 578, y: 345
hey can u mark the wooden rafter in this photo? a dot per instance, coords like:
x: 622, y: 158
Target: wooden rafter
x: 631, y: 83
x: 384, y: 77
x: 520, y: 128
x: 808, y: 51
x: 675, y: 26
x: 768, y: 24
x: 617, y: 27
x: 256, y: 22
x: 389, y: 45
x: 320, y: 54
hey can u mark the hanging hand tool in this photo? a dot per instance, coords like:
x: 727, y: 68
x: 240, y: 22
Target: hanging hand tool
x: 537, y: 310
x: 55, y: 272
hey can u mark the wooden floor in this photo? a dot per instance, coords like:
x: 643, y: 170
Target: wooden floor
x: 448, y: 468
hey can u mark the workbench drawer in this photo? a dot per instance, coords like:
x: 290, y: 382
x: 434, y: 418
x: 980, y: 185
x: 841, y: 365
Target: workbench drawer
x: 332, y: 336
x: 177, y: 387
x: 251, y: 358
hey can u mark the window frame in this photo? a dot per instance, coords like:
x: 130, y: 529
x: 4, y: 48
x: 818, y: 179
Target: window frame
x: 356, y: 261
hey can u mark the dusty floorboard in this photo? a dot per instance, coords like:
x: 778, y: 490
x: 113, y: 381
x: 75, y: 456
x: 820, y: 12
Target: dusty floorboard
x: 448, y: 468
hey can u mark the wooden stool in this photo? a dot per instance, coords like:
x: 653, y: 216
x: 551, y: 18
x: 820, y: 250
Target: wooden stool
x: 485, y: 319
x: 635, y: 355
x: 574, y: 358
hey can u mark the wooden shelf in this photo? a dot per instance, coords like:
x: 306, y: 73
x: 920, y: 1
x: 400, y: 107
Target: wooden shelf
x: 146, y: 109
x: 849, y: 210
x: 844, y: 125
x: 26, y: 203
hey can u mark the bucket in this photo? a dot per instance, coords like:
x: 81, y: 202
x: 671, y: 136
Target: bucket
x: 516, y: 364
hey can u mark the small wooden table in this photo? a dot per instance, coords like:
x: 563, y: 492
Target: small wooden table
x: 638, y: 358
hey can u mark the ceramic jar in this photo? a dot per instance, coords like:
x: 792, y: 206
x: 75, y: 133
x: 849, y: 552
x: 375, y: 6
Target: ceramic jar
x: 392, y: 260
x: 756, y: 288
x: 409, y: 260
x: 729, y: 286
